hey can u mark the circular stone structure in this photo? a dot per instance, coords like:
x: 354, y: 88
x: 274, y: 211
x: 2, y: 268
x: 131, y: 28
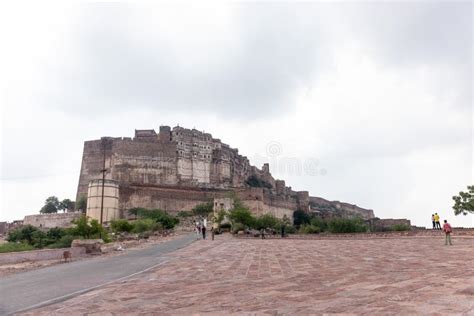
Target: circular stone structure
x: 110, y: 200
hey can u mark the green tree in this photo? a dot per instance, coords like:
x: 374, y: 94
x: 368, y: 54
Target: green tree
x: 81, y: 203
x: 464, y: 202
x: 267, y: 221
x: 51, y: 205
x: 88, y: 229
x: 66, y: 205
x: 243, y: 216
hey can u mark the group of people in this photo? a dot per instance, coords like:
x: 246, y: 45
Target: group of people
x: 447, y: 229
x: 200, y: 228
x: 435, y: 220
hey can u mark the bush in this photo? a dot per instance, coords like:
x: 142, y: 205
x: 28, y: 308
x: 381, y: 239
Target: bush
x: 64, y: 242
x: 242, y: 216
x: 347, y: 225
x: 56, y: 233
x: 400, y: 227
x: 267, y: 221
x: 185, y: 214
x: 157, y: 215
x: 146, y: 225
x: 290, y: 229
x: 23, y: 234
x: 39, y: 239
x: 301, y: 218
x: 121, y: 225
x: 237, y: 227
x: 309, y: 229
x: 320, y: 223
x: 13, y: 246
x: 203, y: 209
x: 89, y: 229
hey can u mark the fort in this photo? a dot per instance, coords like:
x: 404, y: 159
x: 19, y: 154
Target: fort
x: 177, y: 169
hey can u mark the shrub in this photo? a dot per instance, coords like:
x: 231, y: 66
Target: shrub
x: 237, y: 227
x: 157, y: 215
x: 242, y: 216
x: 300, y: 218
x: 39, y: 239
x: 56, y: 233
x: 63, y: 242
x: 400, y: 227
x: 320, y: 223
x: 203, y: 209
x: 185, y: 214
x: 347, y: 225
x: 23, y: 234
x: 146, y: 225
x: 290, y: 229
x: 309, y: 229
x: 13, y: 246
x: 121, y: 225
x: 267, y: 221
x: 89, y: 229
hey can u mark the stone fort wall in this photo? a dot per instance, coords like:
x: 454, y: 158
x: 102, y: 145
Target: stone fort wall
x: 51, y: 220
x: 179, y: 168
x: 174, y: 199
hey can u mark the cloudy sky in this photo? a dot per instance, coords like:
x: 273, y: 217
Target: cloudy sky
x: 364, y: 102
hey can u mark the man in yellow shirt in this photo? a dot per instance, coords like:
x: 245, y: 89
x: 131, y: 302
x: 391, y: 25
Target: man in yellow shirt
x: 436, y: 218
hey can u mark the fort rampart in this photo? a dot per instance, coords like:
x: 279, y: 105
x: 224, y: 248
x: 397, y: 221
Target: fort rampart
x: 178, y: 168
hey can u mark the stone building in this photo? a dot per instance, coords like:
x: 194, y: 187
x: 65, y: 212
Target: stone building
x: 177, y: 169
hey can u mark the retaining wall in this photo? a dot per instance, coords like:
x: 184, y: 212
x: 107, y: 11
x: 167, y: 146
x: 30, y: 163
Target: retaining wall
x: 38, y: 255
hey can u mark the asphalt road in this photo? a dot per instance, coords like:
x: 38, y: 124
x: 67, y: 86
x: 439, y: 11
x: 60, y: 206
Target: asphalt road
x: 53, y: 284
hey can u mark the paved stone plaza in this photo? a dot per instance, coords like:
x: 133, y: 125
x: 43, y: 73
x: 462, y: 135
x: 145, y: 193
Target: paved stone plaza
x: 404, y: 275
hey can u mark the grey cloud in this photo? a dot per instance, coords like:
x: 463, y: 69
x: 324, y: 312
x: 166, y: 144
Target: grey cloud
x: 280, y: 48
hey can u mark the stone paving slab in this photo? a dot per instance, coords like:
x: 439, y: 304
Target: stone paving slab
x: 286, y: 277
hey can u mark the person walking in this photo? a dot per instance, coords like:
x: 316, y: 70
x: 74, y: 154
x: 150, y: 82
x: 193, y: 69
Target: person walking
x: 203, y: 229
x: 198, y: 231
x: 433, y: 220
x: 438, y: 224
x: 447, y: 231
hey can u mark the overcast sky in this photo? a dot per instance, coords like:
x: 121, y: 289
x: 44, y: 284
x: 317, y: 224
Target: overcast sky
x: 371, y: 103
